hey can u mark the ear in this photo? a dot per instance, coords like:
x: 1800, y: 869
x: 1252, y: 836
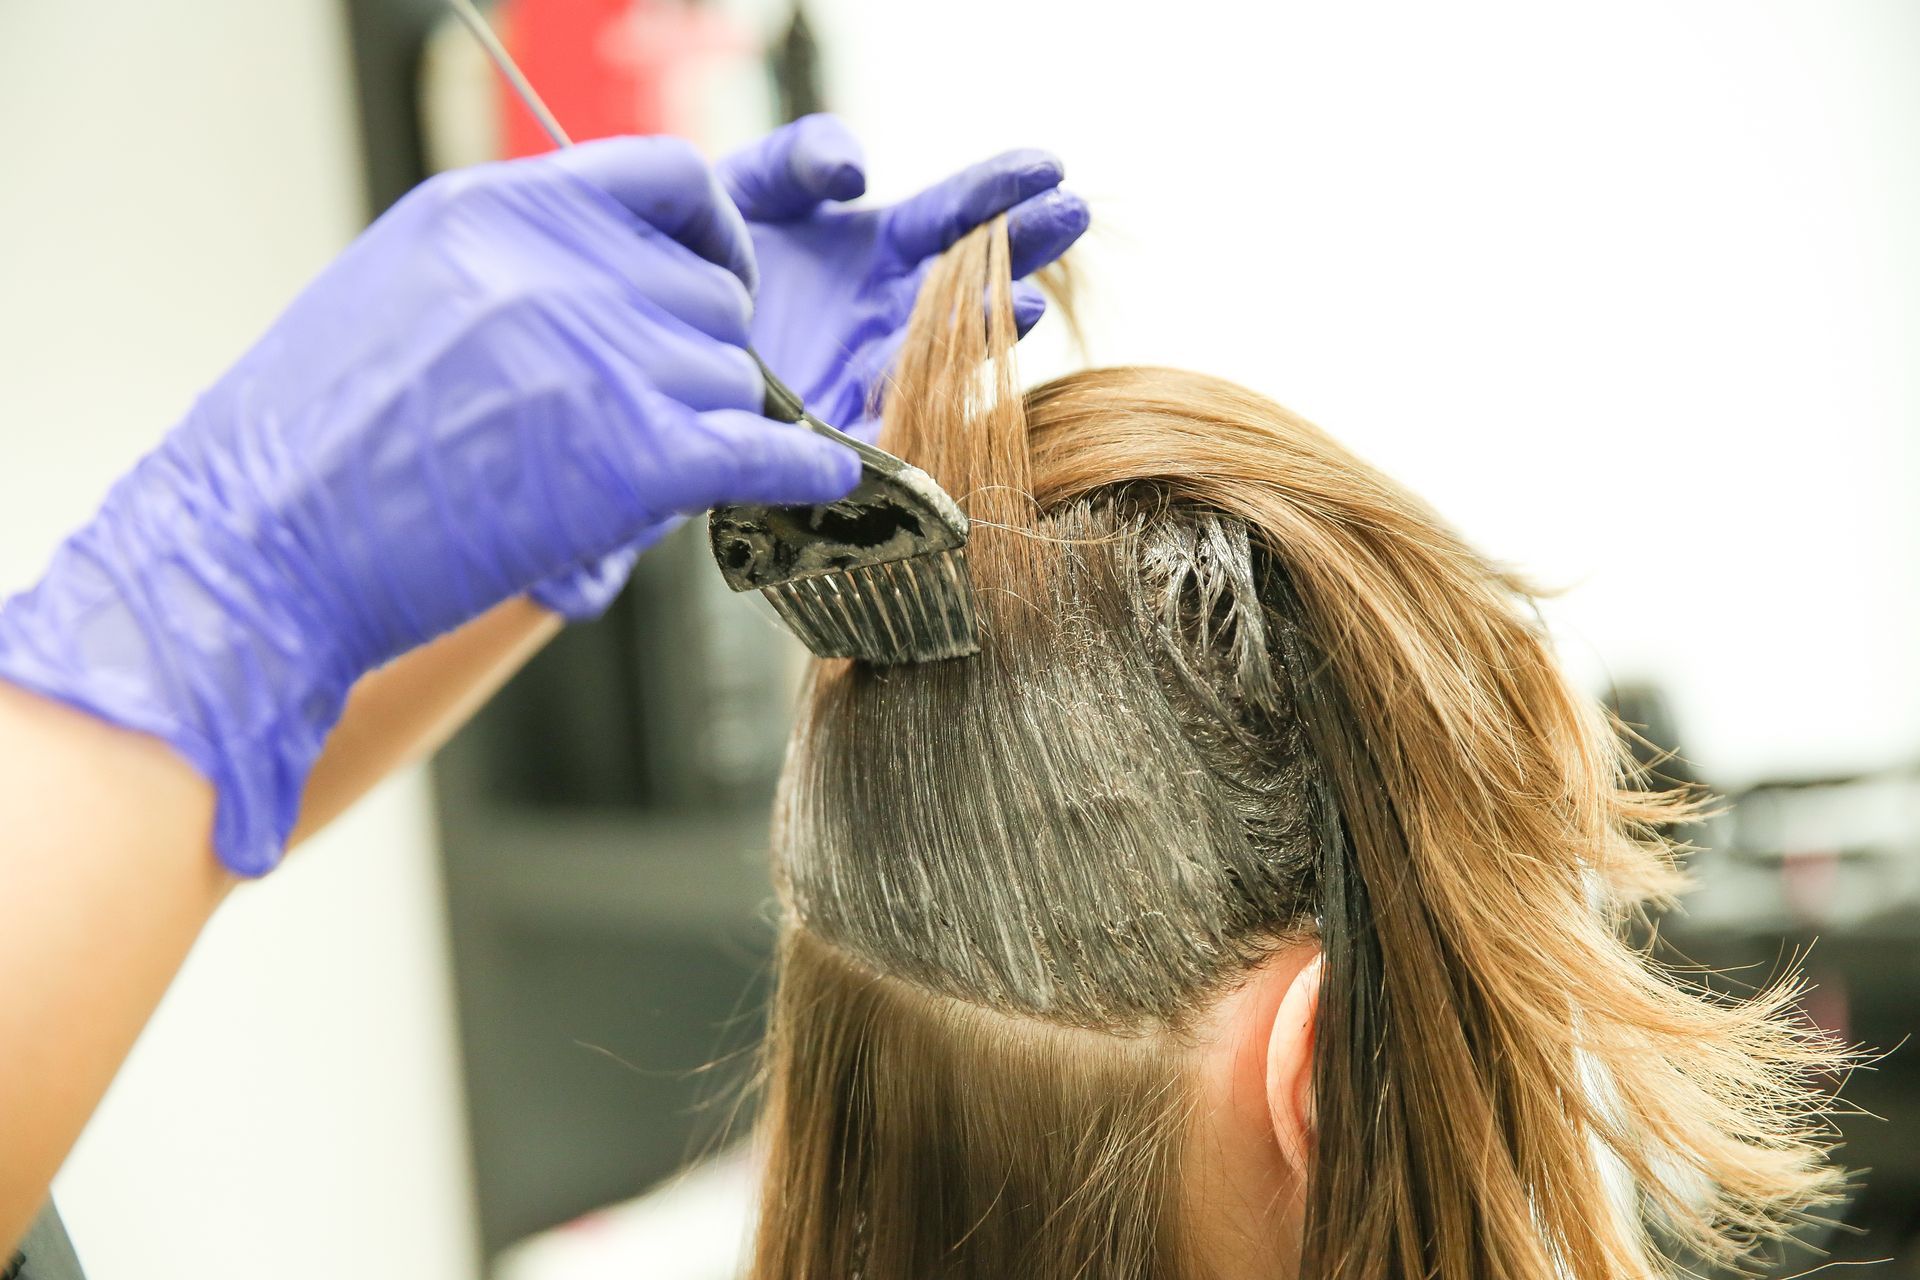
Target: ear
x: 1290, y: 1066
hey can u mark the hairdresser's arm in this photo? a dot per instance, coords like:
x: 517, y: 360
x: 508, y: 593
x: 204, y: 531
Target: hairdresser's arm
x: 518, y: 370
x: 108, y: 879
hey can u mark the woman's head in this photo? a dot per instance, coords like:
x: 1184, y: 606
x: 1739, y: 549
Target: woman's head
x: 1250, y: 903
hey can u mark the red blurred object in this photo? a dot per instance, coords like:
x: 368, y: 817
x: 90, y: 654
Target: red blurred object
x: 609, y: 66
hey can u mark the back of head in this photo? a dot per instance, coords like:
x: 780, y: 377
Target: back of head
x: 1237, y: 691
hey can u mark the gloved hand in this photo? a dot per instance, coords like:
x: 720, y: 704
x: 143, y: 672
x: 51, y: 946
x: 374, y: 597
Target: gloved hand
x: 837, y: 285
x: 518, y: 370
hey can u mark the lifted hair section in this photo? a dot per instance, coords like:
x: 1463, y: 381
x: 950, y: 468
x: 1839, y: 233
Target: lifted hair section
x: 1236, y: 687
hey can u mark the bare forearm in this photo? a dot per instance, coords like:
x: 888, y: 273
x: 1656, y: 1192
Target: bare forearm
x: 107, y: 874
x: 106, y: 878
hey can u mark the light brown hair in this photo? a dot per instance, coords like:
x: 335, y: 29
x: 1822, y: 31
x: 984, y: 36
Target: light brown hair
x: 1237, y: 689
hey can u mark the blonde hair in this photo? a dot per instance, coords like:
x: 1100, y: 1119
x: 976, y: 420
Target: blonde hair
x: 1237, y: 689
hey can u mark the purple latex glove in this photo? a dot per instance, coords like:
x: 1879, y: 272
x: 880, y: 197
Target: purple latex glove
x: 518, y: 370
x: 838, y: 284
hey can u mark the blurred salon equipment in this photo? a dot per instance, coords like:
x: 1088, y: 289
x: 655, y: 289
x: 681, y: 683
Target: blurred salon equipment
x: 604, y: 827
x: 1827, y: 871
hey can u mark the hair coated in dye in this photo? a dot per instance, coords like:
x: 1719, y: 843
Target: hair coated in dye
x: 1237, y: 690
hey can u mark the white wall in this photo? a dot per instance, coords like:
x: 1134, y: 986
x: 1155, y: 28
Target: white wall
x: 1631, y: 291
x: 173, y: 173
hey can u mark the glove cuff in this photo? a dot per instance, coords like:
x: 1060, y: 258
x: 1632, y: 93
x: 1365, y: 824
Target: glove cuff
x: 167, y: 643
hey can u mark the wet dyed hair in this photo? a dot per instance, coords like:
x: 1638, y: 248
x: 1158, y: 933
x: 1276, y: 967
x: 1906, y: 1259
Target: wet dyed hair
x: 1237, y: 690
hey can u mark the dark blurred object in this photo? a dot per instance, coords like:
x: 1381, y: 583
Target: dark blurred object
x: 1652, y: 736
x: 604, y: 820
x: 1825, y: 871
x: 604, y: 828
x: 387, y: 37
x: 46, y: 1253
x: 676, y: 700
x: 796, y: 68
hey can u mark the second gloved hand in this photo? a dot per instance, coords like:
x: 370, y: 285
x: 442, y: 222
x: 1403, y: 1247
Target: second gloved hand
x: 838, y: 283
x: 517, y: 371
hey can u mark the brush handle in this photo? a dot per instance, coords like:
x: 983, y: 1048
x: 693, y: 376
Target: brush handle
x: 783, y: 405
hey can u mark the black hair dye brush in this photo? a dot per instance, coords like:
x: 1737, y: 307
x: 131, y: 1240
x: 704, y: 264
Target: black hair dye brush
x: 881, y: 575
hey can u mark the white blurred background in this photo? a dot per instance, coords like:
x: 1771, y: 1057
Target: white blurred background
x: 1630, y: 291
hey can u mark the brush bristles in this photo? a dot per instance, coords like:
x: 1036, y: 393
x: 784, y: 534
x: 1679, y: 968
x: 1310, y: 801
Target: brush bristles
x: 914, y: 610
